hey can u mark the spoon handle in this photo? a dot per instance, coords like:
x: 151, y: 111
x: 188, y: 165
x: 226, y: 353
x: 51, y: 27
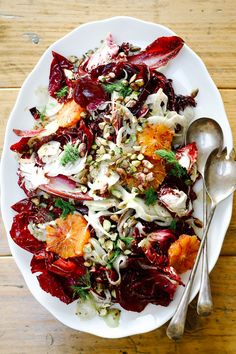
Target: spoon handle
x: 204, y: 304
x: 176, y: 326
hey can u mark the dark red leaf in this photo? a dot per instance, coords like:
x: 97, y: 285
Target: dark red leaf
x: 88, y: 133
x: 159, y: 52
x: 52, y: 285
x: 35, y: 113
x: 89, y: 92
x: 57, y: 78
x: 21, y: 146
x: 23, y: 205
x: 21, y: 235
x: 143, y: 283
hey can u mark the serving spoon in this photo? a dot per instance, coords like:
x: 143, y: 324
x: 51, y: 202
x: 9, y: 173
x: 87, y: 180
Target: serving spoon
x: 208, y: 136
x: 220, y: 181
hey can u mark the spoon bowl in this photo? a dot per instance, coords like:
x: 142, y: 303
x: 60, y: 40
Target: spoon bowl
x: 220, y: 175
x: 208, y: 136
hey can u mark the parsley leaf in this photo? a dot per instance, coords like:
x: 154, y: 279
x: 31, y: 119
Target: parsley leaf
x: 83, y: 286
x: 173, y: 225
x: 71, y: 154
x: 67, y: 207
x: 119, y: 87
x: 150, y: 196
x: 177, y: 170
x: 42, y: 115
x: 127, y: 240
x: 115, y: 254
x: 62, y: 92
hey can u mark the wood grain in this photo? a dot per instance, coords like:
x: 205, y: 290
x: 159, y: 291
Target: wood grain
x: 27, y: 28
x: 39, y: 332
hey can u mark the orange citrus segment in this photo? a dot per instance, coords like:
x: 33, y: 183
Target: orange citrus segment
x: 68, y: 236
x: 155, y: 137
x: 159, y: 174
x: 69, y: 114
x: 182, y: 253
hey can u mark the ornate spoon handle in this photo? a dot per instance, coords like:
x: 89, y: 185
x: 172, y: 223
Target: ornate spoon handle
x: 205, y: 305
x: 176, y: 326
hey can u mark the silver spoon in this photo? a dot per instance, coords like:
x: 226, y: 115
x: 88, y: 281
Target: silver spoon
x: 220, y: 180
x: 208, y: 136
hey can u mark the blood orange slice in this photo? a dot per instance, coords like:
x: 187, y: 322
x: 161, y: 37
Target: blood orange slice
x: 182, y: 253
x: 155, y: 137
x: 68, y: 236
x: 69, y: 114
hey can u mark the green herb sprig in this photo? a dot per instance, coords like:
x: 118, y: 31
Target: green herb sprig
x: 173, y: 225
x: 150, y: 196
x: 177, y: 170
x: 127, y: 240
x: 118, y: 86
x: 62, y: 92
x: 42, y: 114
x: 71, y: 154
x: 83, y: 287
x: 66, y: 207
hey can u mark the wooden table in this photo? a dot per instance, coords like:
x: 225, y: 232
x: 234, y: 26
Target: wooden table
x: 27, y: 28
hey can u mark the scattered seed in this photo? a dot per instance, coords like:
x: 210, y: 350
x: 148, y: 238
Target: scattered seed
x: 106, y: 225
x: 136, y: 163
x: 114, y: 217
x: 140, y: 157
x: 150, y: 177
x: 147, y: 164
x: 133, y: 157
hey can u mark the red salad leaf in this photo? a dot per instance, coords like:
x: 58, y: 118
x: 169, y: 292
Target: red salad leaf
x: 157, y: 245
x: 49, y: 261
x: 162, y: 238
x: 64, y: 187
x: 52, y: 285
x: 87, y: 133
x: 21, y: 146
x: 103, y: 55
x: 57, y: 78
x: 89, y: 92
x: 21, y: 235
x: 187, y: 156
x: 28, y: 133
x: 142, y: 284
x: 159, y: 52
x: 24, y: 205
x: 57, y: 274
x: 35, y: 113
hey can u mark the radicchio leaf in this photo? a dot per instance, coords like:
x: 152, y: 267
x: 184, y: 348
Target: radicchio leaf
x: 187, y: 156
x: 57, y: 274
x: 21, y: 235
x: 159, y: 52
x: 142, y: 284
x: 57, y: 78
x: 89, y: 92
x: 64, y: 187
x: 21, y: 146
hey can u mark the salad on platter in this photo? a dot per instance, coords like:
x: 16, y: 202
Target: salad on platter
x: 108, y: 213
